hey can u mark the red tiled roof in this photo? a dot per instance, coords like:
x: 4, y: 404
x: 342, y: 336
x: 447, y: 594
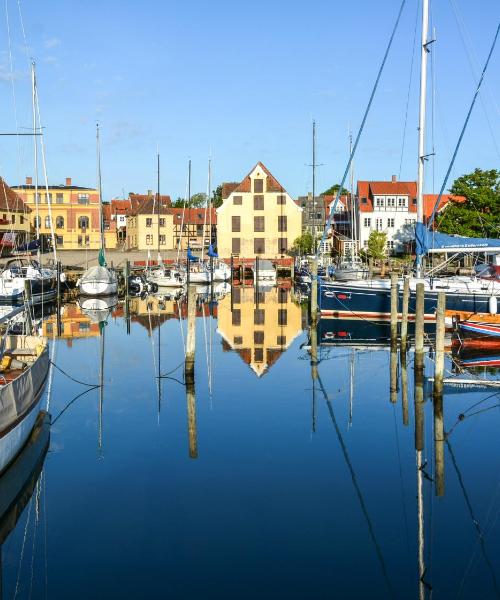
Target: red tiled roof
x: 329, y: 198
x: 367, y: 189
x: 192, y: 216
x: 430, y: 201
x: 10, y: 201
x: 120, y: 207
x: 272, y: 184
x: 228, y: 188
x: 148, y: 205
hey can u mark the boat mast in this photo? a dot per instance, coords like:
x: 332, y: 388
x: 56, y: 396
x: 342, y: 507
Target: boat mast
x: 421, y: 124
x: 314, y: 185
x: 99, y: 187
x: 354, y: 233
x: 158, y: 202
x: 35, y: 156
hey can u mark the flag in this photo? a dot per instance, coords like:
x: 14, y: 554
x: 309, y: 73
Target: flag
x: 101, y: 259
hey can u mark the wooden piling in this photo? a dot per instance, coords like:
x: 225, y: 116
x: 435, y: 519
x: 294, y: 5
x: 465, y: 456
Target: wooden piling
x: 191, y: 411
x: 191, y: 335
x: 404, y: 313
x: 394, y: 375
x: 419, y: 408
x: 394, y: 309
x: 404, y: 387
x: 439, y: 354
x: 419, y: 325
x: 439, y: 445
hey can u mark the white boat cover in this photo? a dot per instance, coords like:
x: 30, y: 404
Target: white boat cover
x: 98, y: 273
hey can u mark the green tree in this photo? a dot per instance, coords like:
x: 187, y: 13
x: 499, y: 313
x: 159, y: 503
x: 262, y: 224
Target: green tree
x: 304, y: 243
x: 217, y: 196
x: 197, y: 201
x: 377, y: 243
x: 332, y: 191
x: 479, y: 215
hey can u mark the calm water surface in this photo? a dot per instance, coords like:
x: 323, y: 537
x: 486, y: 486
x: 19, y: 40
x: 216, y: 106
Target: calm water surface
x: 260, y: 481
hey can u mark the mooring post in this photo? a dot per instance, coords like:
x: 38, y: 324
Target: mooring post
x: 404, y: 387
x: 439, y: 444
x: 314, y: 292
x: 191, y: 335
x: 191, y: 411
x: 394, y: 309
x: 394, y: 374
x: 370, y: 267
x: 404, y: 313
x: 419, y: 326
x: 439, y: 353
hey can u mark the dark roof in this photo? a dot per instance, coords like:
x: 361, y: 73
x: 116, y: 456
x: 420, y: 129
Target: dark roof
x: 193, y: 215
x: 148, y: 205
x: 9, y: 200
x: 60, y: 186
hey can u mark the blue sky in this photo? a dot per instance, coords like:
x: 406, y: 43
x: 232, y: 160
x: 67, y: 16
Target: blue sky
x: 242, y: 81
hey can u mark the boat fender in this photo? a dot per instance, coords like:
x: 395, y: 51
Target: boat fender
x: 5, y: 362
x: 493, y: 305
x: 39, y: 349
x: 62, y: 277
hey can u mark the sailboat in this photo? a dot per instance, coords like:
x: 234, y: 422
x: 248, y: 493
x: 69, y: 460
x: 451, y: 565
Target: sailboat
x: 371, y: 298
x: 99, y: 280
x: 162, y: 275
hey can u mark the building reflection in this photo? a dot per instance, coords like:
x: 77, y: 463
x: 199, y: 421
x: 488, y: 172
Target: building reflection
x: 259, y: 325
x: 74, y: 323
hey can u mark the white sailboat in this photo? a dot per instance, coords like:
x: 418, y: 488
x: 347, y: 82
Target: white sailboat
x: 163, y: 275
x: 99, y: 280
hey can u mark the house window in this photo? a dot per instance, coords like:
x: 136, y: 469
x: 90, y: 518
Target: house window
x: 281, y: 340
x: 390, y: 222
x: 281, y: 198
x: 236, y: 223
x: 47, y: 197
x: 363, y: 200
x: 47, y: 222
x: 149, y: 222
x: 199, y: 229
x: 258, y: 224
x: 282, y: 245
x: 83, y: 198
x: 21, y: 219
x: 236, y: 245
x: 237, y: 340
x: 283, y: 223
x: 390, y: 244
x: 59, y: 198
x: 59, y: 222
x: 86, y: 240
x: 259, y: 245
x: 414, y: 201
x: 258, y: 355
x: 259, y: 316
x: 391, y: 201
x: 379, y: 202
x: 367, y: 222
x: 163, y: 240
x: 162, y: 222
x: 378, y: 224
x: 37, y: 222
x: 236, y: 295
x: 80, y: 240
x: 258, y: 202
x: 13, y: 219
x: 83, y: 222
x: 282, y: 295
x: 258, y: 337
x: 402, y: 202
x: 59, y: 240
x: 258, y: 186
x: 149, y: 240
x: 236, y: 316
x: 237, y: 200
x: 282, y: 316
x: 365, y: 243
x: 261, y: 297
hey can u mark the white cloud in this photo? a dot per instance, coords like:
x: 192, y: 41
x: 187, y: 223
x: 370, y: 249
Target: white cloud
x: 52, y: 42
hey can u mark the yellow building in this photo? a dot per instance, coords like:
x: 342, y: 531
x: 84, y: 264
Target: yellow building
x: 259, y: 332
x: 14, y: 218
x: 142, y: 225
x: 257, y: 217
x: 75, y: 213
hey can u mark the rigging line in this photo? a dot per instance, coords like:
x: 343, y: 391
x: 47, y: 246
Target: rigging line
x: 45, y: 531
x: 28, y: 518
x: 37, y: 504
x: 90, y: 385
x: 476, y: 524
x: 459, y: 142
x: 356, y: 487
x: 94, y: 387
x: 346, y: 172
x: 409, y: 91
x: 11, y: 67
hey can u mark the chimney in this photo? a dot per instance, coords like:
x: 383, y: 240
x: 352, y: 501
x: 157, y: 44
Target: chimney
x: 68, y: 181
x: 29, y: 181
x: 150, y: 192
x: 394, y: 179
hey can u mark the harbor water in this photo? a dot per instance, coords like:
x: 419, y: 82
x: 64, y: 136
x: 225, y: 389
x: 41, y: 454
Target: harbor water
x: 269, y: 477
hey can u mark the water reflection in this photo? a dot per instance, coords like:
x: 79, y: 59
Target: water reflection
x: 259, y: 325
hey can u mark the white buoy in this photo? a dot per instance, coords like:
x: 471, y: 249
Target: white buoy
x: 493, y: 305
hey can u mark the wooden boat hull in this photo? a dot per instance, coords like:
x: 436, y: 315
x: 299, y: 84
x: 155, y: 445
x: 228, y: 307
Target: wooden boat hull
x: 20, y: 399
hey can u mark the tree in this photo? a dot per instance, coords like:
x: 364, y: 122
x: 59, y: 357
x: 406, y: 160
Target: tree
x: 332, y: 191
x: 197, y: 201
x: 217, y: 196
x: 479, y: 215
x: 304, y: 243
x: 377, y: 243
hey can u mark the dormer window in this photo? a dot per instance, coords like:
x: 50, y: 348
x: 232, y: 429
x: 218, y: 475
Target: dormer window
x: 363, y: 200
x: 258, y: 186
x: 414, y: 201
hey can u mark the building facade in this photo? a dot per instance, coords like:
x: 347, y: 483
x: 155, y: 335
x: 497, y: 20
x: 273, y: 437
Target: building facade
x: 72, y: 210
x: 14, y: 219
x: 257, y: 217
x: 147, y: 220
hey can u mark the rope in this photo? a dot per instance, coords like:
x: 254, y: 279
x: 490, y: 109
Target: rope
x: 94, y: 387
x: 459, y: 142
x: 346, y: 172
x: 90, y: 385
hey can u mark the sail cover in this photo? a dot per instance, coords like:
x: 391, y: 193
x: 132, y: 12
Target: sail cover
x: 98, y: 273
x: 433, y: 241
x: 191, y: 256
x: 211, y: 252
